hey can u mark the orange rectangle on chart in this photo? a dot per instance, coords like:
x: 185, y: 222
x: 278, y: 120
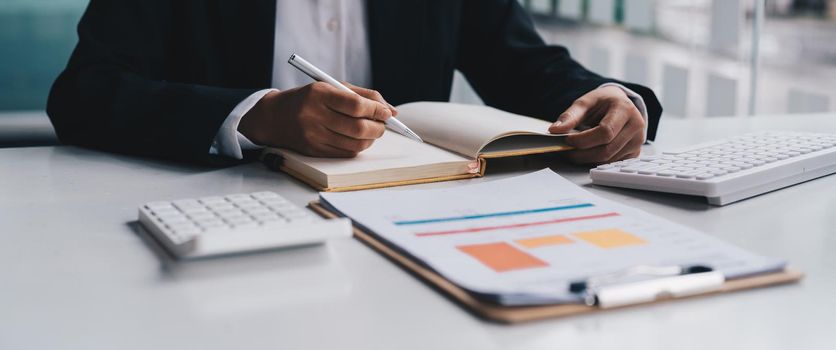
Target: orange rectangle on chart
x: 502, y: 256
x: 543, y: 241
x: 611, y: 238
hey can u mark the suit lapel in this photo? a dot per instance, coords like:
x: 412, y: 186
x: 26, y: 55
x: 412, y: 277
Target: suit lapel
x: 395, y: 39
x: 251, y: 29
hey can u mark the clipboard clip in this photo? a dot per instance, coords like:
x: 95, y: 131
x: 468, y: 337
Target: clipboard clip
x: 606, y: 291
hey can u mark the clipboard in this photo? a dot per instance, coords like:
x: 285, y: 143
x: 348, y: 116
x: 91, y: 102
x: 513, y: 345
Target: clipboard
x: 518, y: 314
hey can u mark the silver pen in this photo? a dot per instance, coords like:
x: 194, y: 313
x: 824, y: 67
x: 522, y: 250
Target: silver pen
x: 318, y: 75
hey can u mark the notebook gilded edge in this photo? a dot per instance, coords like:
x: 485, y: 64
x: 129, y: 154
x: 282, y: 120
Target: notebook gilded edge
x: 518, y: 314
x: 482, y: 160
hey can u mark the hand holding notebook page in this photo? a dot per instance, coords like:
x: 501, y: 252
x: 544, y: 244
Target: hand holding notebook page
x: 525, y: 240
x: 473, y: 130
x: 459, y: 138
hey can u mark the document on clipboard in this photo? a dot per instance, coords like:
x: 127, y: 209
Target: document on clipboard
x: 539, y: 239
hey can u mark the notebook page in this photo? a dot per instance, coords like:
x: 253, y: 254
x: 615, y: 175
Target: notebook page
x: 465, y: 129
x: 391, y: 151
x: 525, y: 239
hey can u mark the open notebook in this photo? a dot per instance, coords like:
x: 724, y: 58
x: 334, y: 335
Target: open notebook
x: 458, y: 140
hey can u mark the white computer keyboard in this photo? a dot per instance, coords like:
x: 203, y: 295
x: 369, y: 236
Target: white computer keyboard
x: 728, y: 170
x: 236, y: 223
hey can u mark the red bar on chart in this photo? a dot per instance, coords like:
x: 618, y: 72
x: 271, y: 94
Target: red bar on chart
x: 515, y: 225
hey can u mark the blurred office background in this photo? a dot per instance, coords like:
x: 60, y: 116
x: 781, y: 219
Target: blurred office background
x: 703, y: 57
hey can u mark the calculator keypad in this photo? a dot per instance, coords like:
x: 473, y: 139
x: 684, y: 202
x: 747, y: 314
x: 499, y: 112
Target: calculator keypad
x: 185, y: 219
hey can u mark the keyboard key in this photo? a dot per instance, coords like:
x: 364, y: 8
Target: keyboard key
x: 743, y: 165
x: 686, y: 174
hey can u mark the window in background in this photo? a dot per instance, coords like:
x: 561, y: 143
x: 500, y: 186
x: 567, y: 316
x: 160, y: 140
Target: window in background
x: 697, y: 54
x: 36, y: 39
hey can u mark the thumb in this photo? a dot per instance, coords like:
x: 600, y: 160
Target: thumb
x: 570, y: 118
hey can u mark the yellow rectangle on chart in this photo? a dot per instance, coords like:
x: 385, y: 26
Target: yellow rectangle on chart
x: 610, y: 238
x: 544, y: 241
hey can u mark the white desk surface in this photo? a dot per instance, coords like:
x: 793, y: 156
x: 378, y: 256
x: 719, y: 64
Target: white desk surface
x: 77, y: 274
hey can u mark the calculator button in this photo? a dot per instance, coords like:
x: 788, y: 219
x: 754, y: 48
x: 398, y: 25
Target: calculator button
x: 257, y: 210
x: 187, y: 204
x: 165, y: 211
x: 237, y: 196
x: 212, y: 224
x: 265, y: 195
x: 212, y: 200
x: 198, y: 216
x: 248, y: 204
x: 245, y: 224
x: 159, y: 205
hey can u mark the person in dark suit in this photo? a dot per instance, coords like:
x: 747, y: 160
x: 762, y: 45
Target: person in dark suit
x: 205, y: 80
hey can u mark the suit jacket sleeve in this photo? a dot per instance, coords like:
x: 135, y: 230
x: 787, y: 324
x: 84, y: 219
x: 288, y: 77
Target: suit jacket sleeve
x: 114, y: 95
x: 511, y: 67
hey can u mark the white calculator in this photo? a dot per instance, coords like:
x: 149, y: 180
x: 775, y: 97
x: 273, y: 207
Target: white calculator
x: 236, y: 223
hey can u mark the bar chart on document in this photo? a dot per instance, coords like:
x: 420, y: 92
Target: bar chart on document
x: 533, y: 235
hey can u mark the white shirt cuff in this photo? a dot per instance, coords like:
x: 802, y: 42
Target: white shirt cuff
x: 229, y: 141
x: 637, y: 100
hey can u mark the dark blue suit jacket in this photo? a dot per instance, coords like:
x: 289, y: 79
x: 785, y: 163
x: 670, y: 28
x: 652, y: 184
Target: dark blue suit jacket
x: 158, y: 77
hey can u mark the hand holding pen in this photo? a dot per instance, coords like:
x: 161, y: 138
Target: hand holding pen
x: 318, y: 120
x: 318, y: 75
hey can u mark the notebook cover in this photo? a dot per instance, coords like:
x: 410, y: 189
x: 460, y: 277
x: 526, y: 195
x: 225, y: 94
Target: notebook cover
x: 517, y: 314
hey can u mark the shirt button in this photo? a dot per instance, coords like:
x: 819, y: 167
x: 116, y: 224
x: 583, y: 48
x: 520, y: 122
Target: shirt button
x: 333, y: 24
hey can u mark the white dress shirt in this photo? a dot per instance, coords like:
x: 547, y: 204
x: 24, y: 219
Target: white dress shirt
x: 332, y: 34
x: 329, y: 33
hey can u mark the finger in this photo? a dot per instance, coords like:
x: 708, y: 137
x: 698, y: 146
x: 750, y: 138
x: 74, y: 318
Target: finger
x: 631, y: 150
x: 372, y: 95
x: 324, y: 150
x: 624, y: 144
x: 345, y: 143
x: 354, y: 105
x: 604, y: 133
x: 573, y: 115
x: 356, y: 128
